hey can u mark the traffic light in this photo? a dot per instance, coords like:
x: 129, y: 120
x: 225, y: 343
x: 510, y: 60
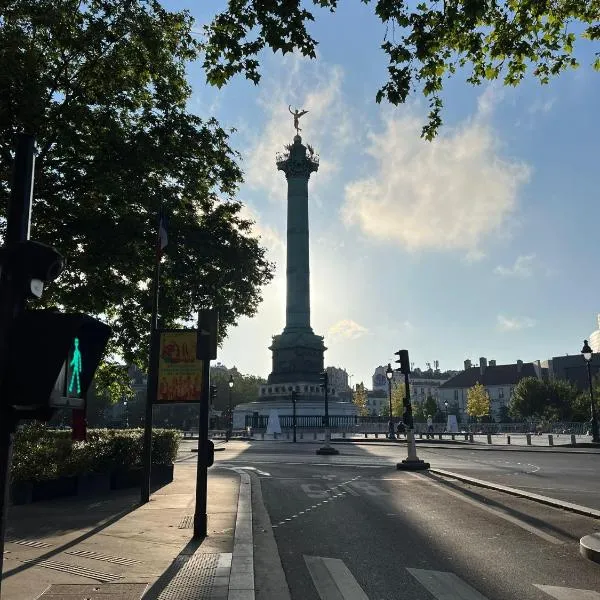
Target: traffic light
x: 52, y: 360
x: 324, y: 377
x: 403, y: 361
x: 213, y: 394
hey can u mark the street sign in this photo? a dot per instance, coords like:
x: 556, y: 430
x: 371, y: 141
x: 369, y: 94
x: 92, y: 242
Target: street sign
x: 179, y: 371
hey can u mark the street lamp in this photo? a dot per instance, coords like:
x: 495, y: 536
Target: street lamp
x: 389, y: 373
x: 230, y: 425
x: 446, y: 407
x: 294, y: 413
x: 126, y: 414
x: 587, y: 355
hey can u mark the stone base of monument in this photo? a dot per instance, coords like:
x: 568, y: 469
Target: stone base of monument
x: 412, y: 465
x: 327, y: 451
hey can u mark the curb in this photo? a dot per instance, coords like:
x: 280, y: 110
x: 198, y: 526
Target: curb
x: 569, y: 506
x: 474, y: 446
x: 589, y: 547
x: 241, y: 578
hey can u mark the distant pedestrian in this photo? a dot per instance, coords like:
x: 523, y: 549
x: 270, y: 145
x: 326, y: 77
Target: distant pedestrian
x: 400, y: 429
x: 429, y: 426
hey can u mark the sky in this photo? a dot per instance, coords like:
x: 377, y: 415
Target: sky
x: 481, y: 243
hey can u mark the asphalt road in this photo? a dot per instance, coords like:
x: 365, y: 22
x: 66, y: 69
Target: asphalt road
x: 352, y: 527
x: 570, y: 475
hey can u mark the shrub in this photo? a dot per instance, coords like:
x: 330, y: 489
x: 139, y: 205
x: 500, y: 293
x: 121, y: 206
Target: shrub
x: 41, y: 454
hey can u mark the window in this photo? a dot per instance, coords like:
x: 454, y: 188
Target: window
x: 501, y: 393
x: 262, y: 391
x: 455, y: 394
x: 270, y: 390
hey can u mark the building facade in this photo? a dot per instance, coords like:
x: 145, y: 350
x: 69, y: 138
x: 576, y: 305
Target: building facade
x: 498, y: 380
x: 422, y: 383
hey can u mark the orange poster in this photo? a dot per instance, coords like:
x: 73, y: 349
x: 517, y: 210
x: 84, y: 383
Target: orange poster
x: 179, y: 371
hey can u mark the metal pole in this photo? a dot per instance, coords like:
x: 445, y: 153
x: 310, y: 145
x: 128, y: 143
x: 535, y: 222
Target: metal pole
x: 18, y: 221
x: 410, y: 434
x: 230, y: 420
x: 392, y: 436
x: 595, y: 433
x: 152, y: 384
x: 327, y: 430
x: 200, y: 518
x: 294, y: 413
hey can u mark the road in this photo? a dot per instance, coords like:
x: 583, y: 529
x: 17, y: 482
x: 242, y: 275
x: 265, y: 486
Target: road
x: 354, y: 523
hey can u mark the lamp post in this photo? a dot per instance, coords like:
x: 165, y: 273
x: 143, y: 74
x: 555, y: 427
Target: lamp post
x: 446, y: 407
x: 230, y: 424
x: 294, y: 413
x: 587, y: 355
x: 389, y: 373
x: 126, y: 414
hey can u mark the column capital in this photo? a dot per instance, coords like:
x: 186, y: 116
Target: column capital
x: 297, y: 160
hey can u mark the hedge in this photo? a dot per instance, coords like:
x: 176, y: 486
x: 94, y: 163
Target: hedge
x: 42, y: 454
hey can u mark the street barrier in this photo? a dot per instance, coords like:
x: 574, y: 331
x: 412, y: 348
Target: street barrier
x: 550, y: 440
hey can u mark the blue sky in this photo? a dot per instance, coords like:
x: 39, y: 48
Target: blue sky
x: 482, y: 243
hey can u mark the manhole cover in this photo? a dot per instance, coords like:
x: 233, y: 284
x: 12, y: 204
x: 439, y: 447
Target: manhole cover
x: 102, y: 591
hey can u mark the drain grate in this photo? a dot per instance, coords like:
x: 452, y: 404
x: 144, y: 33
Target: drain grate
x: 117, y: 560
x: 85, y: 591
x: 75, y: 570
x: 187, y: 522
x: 191, y: 578
x: 30, y: 543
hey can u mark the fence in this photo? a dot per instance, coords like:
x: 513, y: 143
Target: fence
x: 350, y: 424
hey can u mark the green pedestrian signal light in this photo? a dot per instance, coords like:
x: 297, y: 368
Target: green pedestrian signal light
x: 75, y: 366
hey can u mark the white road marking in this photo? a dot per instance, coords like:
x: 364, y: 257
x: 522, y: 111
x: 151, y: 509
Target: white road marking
x: 445, y: 586
x: 369, y: 488
x: 314, y: 490
x: 333, y: 580
x: 563, y: 593
x: 518, y: 522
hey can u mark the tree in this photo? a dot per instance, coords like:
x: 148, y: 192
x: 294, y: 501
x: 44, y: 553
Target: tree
x: 102, y: 86
x: 245, y: 387
x: 425, y: 42
x: 398, y: 395
x: 504, y: 414
x: 478, y: 401
x: 528, y: 398
x: 430, y: 407
x: 419, y: 415
x: 359, y: 397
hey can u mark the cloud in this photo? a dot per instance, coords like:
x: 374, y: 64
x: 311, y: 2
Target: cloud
x: 347, y: 329
x: 447, y: 194
x: 523, y: 267
x: 316, y: 87
x: 541, y: 106
x: 514, y: 323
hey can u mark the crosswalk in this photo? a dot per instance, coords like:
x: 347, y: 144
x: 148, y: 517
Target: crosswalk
x: 333, y: 580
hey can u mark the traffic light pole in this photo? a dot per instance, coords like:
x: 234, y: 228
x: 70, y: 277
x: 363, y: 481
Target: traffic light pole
x: 294, y: 413
x: 412, y: 462
x: 327, y: 449
x: 11, y: 303
x: 200, y: 518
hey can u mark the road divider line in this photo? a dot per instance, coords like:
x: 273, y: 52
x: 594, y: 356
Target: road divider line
x: 563, y: 593
x: 575, y: 508
x: 498, y: 513
x: 333, y: 580
x: 445, y: 585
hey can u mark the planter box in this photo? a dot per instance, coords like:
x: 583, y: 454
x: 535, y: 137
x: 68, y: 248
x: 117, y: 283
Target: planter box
x: 121, y: 479
x: 161, y: 475
x: 21, y: 492
x: 93, y: 484
x: 54, y: 488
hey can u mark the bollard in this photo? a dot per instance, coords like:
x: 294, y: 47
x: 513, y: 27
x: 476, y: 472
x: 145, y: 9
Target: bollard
x: 453, y: 437
x: 344, y: 434
x: 528, y: 437
x: 420, y: 436
x: 508, y: 439
x: 301, y: 435
x: 376, y: 436
x: 573, y: 441
x: 550, y: 440
x: 440, y: 436
x: 366, y: 435
x: 288, y: 435
x: 470, y: 437
x: 489, y: 438
x: 315, y: 435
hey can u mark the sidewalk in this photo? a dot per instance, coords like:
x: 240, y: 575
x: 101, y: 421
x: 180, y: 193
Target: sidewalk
x: 70, y: 548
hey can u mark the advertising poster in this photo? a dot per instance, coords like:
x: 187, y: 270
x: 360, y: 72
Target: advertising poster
x: 179, y: 371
